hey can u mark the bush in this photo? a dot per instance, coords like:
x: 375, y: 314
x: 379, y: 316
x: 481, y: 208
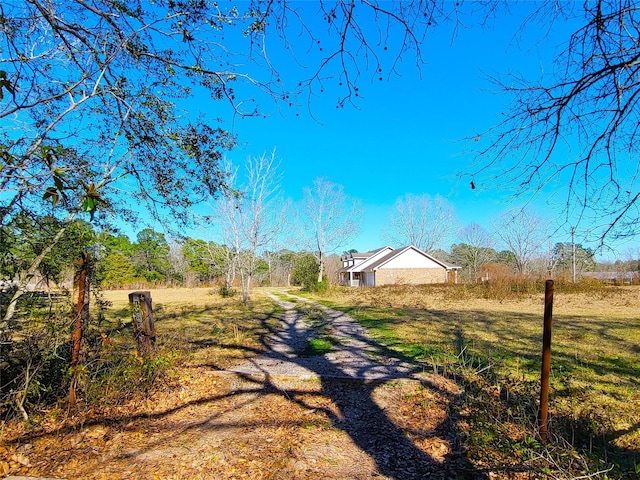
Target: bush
x: 320, y: 287
x: 35, y: 354
x: 226, y: 291
x: 123, y: 374
x: 305, y: 272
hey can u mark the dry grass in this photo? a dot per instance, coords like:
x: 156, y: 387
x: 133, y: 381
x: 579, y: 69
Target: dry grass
x: 210, y: 427
x: 193, y: 421
x: 496, y: 345
x: 201, y: 326
x: 171, y: 417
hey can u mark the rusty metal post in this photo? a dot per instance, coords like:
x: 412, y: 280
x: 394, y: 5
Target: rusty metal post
x: 546, y: 359
x: 144, y: 329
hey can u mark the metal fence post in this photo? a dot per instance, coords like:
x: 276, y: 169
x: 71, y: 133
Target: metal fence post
x: 546, y: 359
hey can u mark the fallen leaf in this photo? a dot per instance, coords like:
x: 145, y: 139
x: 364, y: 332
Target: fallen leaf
x: 21, y: 459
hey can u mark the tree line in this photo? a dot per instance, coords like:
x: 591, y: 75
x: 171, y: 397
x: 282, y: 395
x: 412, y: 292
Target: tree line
x: 155, y: 259
x: 265, y: 239
x: 151, y: 259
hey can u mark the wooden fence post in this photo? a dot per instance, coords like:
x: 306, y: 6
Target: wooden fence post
x: 546, y: 359
x: 81, y: 313
x: 144, y: 330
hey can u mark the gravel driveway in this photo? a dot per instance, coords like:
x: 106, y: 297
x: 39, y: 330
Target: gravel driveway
x: 355, y: 354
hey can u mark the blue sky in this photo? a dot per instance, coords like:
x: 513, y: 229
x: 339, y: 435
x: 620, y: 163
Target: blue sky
x: 407, y: 133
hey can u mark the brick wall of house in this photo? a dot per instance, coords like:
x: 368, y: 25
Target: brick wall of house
x: 411, y: 276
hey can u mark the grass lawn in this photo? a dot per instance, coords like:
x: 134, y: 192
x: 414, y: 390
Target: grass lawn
x: 197, y: 322
x: 494, y: 347
x: 486, y: 344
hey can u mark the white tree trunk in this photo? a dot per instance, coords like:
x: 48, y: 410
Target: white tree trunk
x: 321, y: 270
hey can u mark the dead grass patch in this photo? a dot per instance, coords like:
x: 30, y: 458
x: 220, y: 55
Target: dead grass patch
x: 473, y: 422
x: 201, y: 425
x: 199, y: 322
x: 495, y: 346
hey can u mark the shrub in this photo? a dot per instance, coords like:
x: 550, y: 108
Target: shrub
x: 321, y: 287
x: 305, y: 272
x: 124, y: 374
x: 226, y: 291
x: 34, y: 356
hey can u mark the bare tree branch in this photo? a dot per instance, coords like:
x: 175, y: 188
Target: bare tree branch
x: 522, y: 232
x: 421, y: 221
x: 329, y: 219
x: 577, y: 130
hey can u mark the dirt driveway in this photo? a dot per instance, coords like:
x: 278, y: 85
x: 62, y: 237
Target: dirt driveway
x: 356, y: 412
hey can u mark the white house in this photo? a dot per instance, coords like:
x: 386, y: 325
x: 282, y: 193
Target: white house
x: 353, y: 264
x: 388, y: 266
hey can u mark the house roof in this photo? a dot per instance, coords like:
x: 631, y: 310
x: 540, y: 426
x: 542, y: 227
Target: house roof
x: 378, y: 249
x: 364, y: 256
x: 449, y: 266
x: 611, y: 275
x: 392, y: 254
x: 399, y: 251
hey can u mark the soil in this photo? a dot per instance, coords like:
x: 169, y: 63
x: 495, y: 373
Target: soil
x: 356, y: 412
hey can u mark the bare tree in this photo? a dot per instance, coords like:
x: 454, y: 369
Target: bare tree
x: 522, y: 232
x: 632, y: 258
x: 329, y: 219
x: 577, y: 127
x: 252, y: 216
x: 475, y: 250
x: 421, y: 221
x: 209, y: 260
x: 178, y: 265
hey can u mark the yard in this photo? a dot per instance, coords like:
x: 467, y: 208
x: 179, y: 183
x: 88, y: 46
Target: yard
x: 181, y: 415
x: 493, y: 345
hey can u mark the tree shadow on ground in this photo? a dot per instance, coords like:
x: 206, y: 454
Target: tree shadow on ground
x: 589, y: 427
x: 346, y: 387
x: 348, y: 380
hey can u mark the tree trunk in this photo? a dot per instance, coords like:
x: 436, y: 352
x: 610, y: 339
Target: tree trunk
x: 245, y: 289
x: 82, y: 280
x: 321, y: 270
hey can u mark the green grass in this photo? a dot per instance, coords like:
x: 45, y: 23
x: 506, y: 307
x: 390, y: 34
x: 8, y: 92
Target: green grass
x: 493, y: 348
x: 323, y: 340
x: 317, y: 346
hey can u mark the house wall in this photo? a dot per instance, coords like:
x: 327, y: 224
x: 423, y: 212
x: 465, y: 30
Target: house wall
x: 411, y: 276
x: 412, y: 259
